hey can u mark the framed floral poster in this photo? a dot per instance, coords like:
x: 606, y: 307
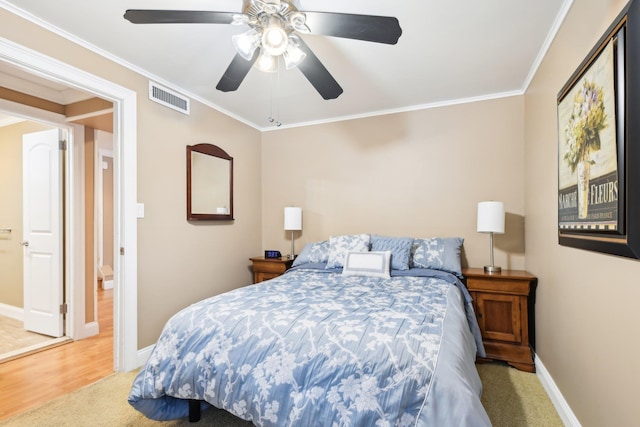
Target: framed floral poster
x: 588, y: 159
x: 596, y: 143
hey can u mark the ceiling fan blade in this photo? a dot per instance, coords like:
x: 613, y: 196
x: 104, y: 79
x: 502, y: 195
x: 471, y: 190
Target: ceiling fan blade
x: 236, y: 72
x: 379, y: 29
x: 139, y: 16
x: 318, y: 75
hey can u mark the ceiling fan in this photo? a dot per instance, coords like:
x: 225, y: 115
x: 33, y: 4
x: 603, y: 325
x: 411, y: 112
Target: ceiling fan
x: 274, y: 31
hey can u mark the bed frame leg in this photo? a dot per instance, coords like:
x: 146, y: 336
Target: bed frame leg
x: 194, y: 411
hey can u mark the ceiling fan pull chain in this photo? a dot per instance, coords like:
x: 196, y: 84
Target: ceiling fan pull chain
x: 278, y: 123
x: 274, y: 116
x: 271, y: 119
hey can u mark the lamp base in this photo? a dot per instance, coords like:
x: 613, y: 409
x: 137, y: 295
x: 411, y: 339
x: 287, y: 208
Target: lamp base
x: 492, y: 269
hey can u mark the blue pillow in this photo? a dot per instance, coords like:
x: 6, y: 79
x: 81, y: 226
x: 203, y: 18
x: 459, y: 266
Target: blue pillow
x: 312, y: 253
x: 400, y: 248
x: 339, y: 246
x: 439, y: 253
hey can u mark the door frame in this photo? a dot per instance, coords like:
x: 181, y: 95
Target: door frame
x: 125, y: 196
x: 99, y: 203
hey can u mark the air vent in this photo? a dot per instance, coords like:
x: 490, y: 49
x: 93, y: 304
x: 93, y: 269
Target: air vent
x: 168, y: 98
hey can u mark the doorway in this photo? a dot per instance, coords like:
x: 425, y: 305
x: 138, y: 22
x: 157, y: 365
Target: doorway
x: 125, y: 196
x: 16, y: 322
x: 44, y: 254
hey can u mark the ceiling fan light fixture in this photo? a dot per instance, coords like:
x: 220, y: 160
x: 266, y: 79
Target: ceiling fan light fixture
x: 240, y: 19
x: 246, y: 43
x: 274, y: 37
x: 293, y: 56
x: 266, y: 62
x: 298, y: 20
x: 268, y: 6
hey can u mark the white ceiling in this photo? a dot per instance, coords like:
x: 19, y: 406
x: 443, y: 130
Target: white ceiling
x: 450, y: 51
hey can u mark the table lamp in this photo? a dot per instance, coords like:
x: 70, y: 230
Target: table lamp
x: 292, y: 222
x: 491, y: 220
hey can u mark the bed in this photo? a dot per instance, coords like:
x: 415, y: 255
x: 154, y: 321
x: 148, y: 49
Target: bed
x: 341, y: 339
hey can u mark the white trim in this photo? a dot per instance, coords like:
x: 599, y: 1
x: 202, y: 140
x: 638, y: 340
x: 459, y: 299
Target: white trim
x: 125, y: 169
x: 564, y: 411
x: 144, y: 354
x: 12, y: 311
x: 89, y: 115
x: 91, y: 328
x: 441, y: 104
x: 100, y: 141
x: 551, y: 35
x: 102, y: 153
x: 28, y: 113
x: 8, y: 121
x: 74, y: 234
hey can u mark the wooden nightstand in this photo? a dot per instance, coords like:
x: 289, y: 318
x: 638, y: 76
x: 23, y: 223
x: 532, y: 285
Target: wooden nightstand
x: 504, y: 305
x: 268, y: 268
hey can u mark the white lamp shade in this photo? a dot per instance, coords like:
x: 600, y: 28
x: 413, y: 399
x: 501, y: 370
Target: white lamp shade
x: 293, y: 218
x: 491, y: 217
x: 246, y: 43
x: 293, y: 56
x: 266, y: 62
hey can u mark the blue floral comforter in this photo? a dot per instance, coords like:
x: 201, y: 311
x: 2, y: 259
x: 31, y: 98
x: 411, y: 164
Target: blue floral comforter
x: 315, y: 348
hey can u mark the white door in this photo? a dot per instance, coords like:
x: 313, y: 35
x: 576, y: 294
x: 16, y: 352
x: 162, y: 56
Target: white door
x: 42, y: 225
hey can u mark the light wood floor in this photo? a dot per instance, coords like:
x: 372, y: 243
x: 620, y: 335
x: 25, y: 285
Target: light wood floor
x: 31, y: 381
x: 14, y: 337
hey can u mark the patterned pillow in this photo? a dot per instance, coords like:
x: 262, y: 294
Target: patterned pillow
x: 400, y: 248
x: 313, y: 252
x: 439, y: 253
x: 340, y: 245
x: 370, y: 264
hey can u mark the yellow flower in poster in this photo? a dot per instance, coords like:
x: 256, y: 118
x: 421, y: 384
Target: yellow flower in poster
x: 585, y: 123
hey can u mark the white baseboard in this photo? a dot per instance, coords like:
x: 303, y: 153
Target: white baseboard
x: 11, y: 311
x: 143, y: 355
x: 564, y: 411
x: 88, y: 330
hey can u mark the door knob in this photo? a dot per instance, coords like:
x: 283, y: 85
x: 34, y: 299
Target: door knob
x: 24, y: 243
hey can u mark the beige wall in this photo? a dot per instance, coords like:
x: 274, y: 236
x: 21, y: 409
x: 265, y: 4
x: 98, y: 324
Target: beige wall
x: 587, y: 313
x: 178, y: 262
x: 417, y: 174
x: 181, y: 262
x: 11, y: 252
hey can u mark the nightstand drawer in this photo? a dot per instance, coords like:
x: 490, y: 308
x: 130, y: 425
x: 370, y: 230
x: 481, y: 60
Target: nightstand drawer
x: 518, y: 287
x: 269, y: 268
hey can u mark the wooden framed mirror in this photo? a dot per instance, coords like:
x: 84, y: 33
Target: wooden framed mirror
x: 209, y: 183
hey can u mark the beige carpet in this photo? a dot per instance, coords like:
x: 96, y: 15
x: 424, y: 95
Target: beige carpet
x: 512, y: 398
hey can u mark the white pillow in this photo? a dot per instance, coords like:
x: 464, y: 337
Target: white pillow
x: 370, y: 264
